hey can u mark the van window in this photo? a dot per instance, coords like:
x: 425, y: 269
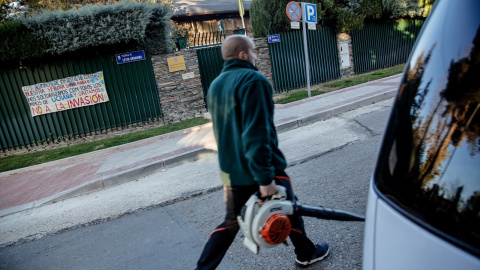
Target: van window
x: 429, y: 163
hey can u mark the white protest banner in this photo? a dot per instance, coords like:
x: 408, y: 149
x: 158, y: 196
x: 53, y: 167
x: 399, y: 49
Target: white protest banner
x: 67, y: 93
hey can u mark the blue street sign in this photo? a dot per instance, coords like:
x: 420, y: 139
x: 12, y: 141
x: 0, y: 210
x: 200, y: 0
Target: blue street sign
x: 310, y: 13
x: 274, y: 38
x: 130, y: 57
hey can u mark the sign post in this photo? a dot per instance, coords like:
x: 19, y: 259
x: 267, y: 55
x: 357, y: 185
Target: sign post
x: 308, y: 14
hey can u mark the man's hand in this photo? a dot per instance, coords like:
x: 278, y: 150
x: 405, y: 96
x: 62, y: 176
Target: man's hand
x: 269, y: 190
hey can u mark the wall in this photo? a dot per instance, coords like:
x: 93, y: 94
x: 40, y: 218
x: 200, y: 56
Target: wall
x: 181, y: 97
x: 263, y: 62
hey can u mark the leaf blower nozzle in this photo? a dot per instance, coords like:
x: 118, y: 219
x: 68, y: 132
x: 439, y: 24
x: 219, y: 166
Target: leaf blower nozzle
x: 327, y: 213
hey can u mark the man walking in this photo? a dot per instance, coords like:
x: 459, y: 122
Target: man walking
x: 240, y: 102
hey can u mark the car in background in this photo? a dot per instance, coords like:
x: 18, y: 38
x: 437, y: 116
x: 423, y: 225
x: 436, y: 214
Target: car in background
x: 423, y: 209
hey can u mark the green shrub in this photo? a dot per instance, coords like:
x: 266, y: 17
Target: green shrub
x: 19, y: 43
x: 144, y: 25
x: 347, y: 20
x: 345, y: 15
x: 266, y: 13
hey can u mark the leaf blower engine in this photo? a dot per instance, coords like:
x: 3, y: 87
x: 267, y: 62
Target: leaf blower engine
x: 265, y: 223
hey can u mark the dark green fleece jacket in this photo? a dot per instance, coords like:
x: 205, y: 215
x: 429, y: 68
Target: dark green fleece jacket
x: 240, y: 102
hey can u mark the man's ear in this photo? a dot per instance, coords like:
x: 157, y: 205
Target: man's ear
x: 242, y: 55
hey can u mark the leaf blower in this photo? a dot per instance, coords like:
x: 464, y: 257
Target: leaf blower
x: 265, y: 223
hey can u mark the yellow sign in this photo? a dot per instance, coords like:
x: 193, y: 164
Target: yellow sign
x: 176, y: 63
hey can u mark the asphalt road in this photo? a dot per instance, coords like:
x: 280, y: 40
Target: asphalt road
x: 330, y: 163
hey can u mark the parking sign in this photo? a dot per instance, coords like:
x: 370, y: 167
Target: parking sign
x: 310, y: 13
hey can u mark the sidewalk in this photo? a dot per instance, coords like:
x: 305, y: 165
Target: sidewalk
x: 45, y: 183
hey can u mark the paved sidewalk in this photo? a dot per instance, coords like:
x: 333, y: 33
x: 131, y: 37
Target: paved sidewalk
x: 41, y: 184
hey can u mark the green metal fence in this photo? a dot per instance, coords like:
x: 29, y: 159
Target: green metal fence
x: 131, y: 88
x: 381, y: 45
x: 288, y: 58
x: 210, y: 63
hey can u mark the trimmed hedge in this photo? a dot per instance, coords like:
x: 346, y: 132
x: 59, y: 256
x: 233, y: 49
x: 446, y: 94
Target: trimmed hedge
x: 127, y: 24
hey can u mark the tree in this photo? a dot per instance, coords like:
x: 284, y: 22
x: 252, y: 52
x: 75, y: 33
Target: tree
x: 371, y: 8
x: 18, y: 43
x: 265, y: 14
x: 407, y: 8
x: 347, y: 15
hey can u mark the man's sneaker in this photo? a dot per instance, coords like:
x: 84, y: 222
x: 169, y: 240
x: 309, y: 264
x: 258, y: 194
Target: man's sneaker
x: 321, y: 252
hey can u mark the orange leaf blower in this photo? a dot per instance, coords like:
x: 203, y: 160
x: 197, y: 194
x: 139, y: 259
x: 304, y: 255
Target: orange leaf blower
x: 265, y: 223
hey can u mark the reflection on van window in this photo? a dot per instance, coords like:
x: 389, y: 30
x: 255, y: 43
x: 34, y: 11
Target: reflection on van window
x: 432, y: 169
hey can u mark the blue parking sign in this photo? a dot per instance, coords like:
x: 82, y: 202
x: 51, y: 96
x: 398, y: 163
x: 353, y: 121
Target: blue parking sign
x: 310, y: 13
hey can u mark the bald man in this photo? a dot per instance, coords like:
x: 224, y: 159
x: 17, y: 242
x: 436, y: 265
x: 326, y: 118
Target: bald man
x: 241, y: 105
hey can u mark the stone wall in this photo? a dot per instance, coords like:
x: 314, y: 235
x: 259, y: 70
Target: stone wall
x: 181, y: 97
x: 263, y: 61
x: 180, y: 92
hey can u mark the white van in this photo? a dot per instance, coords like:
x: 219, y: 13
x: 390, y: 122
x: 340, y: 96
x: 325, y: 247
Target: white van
x: 423, y: 208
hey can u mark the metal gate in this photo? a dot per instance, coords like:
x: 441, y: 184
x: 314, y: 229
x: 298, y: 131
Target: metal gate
x: 210, y: 63
x: 288, y: 59
x: 131, y: 89
x: 381, y: 45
